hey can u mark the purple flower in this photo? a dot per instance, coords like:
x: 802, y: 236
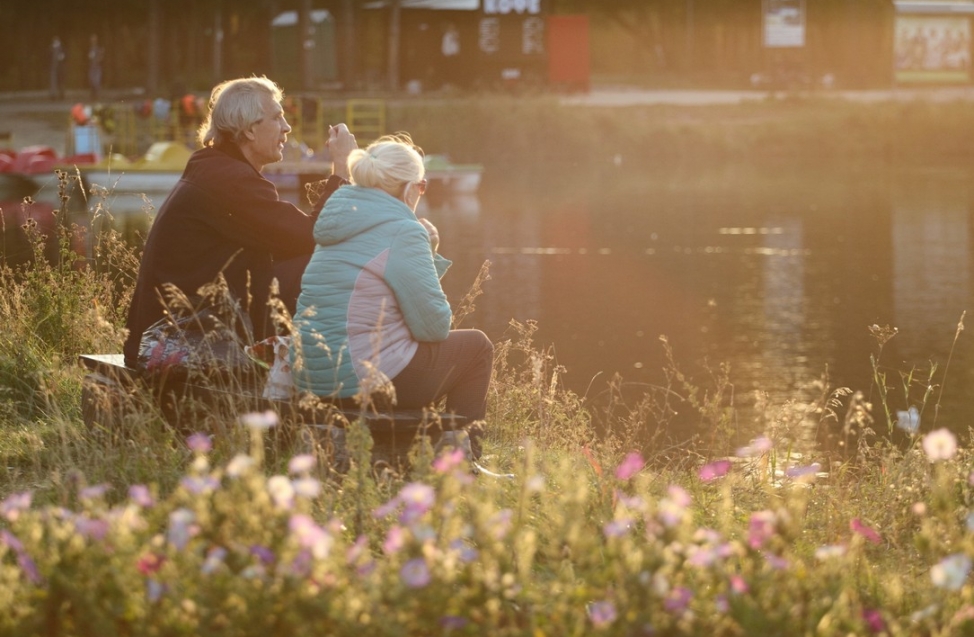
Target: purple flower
x: 27, y: 565
x: 453, y: 622
x: 678, y: 600
x: 602, y: 614
x: 714, y: 470
x: 180, y: 527
x: 14, y: 504
x: 951, y: 572
x: 500, y: 523
x: 617, y: 528
x: 214, y: 560
x: 417, y: 499
x: 92, y: 529
x: 197, y: 485
x: 93, y: 492
x: 761, y: 528
x: 139, y: 493
x: 263, y: 554
x: 798, y: 473
x: 311, y: 536
x: 758, y: 447
x: 415, y: 573
x: 199, y: 443
x: 630, y: 465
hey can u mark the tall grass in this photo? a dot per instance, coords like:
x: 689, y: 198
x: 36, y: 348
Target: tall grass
x: 608, y: 525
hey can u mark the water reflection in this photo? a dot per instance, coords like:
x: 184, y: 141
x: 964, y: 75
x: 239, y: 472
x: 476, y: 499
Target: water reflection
x: 778, y: 273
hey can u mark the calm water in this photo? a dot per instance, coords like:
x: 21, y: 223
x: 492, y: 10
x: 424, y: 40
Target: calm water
x: 778, y: 274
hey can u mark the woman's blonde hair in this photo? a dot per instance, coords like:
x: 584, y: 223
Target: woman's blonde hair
x: 235, y: 106
x: 388, y: 163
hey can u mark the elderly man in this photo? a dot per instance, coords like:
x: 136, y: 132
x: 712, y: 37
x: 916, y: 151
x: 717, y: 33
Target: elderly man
x: 224, y: 217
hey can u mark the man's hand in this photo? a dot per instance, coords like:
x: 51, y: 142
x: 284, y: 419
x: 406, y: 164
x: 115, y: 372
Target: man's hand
x: 341, y: 143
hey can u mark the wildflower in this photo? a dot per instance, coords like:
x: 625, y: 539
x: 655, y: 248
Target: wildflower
x: 139, y: 493
x: 673, y: 509
x: 909, y: 420
x: 180, y: 527
x: 302, y: 463
x: 602, y: 614
x: 448, y: 460
x: 154, y: 590
x: 678, y: 600
x: 262, y: 553
x: 757, y: 447
x: 417, y: 499
x: 951, y: 572
x: 239, y: 465
x: 199, y: 485
x: 259, y: 421
x: 307, y: 487
x: 466, y: 553
x: 874, y: 620
x: 535, y: 484
x: 92, y: 529
x: 281, y: 491
x: 214, y: 560
x: 453, y: 622
x: 630, y: 466
x: 801, y: 473
x: 93, y: 492
x: 311, y: 536
x: 721, y: 604
x: 761, y: 528
x: 865, y: 531
x: 940, y: 444
x: 199, y: 443
x: 776, y: 562
x: 149, y: 563
x: 617, y: 528
x: 714, y: 470
x: 829, y: 552
x: 920, y: 509
x: 395, y: 540
x: 27, y: 565
x: 500, y: 523
x: 14, y: 504
x: 415, y: 573
x: 738, y: 585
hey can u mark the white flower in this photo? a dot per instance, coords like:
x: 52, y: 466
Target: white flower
x: 240, y: 465
x: 281, y: 490
x: 951, y: 572
x: 940, y: 444
x: 909, y: 420
x: 301, y: 464
x: 259, y: 420
x: 828, y: 552
x: 306, y: 487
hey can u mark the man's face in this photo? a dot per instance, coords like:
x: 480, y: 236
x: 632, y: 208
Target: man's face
x: 264, y: 142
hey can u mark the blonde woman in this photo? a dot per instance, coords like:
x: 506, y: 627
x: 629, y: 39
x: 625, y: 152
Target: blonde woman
x: 371, y: 309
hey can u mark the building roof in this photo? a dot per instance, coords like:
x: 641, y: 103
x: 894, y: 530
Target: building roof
x: 934, y: 6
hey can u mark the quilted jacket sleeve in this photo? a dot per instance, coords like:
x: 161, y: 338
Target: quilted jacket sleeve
x: 414, y: 279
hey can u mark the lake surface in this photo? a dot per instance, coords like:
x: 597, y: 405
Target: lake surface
x: 777, y: 273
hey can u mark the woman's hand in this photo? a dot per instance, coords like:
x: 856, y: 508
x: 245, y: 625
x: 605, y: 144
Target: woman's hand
x: 432, y: 231
x: 341, y: 143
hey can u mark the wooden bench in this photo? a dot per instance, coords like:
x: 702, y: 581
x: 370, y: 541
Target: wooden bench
x: 110, y: 390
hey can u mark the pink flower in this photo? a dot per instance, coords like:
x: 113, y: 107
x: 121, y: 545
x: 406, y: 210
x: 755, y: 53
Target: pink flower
x: 448, y: 460
x: 602, y: 614
x: 302, y: 463
x: 738, y: 585
x: 673, y: 509
x: 199, y: 443
x: 14, y: 504
x: 761, y: 528
x: 874, y: 620
x: 867, y: 532
x: 91, y: 528
x: 758, y: 447
x: 139, y: 493
x: 149, y: 563
x: 678, y: 600
x: 395, y: 540
x: 415, y: 573
x: 714, y: 470
x: 630, y: 465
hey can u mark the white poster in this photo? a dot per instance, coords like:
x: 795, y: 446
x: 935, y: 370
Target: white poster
x: 929, y: 48
x: 784, y: 23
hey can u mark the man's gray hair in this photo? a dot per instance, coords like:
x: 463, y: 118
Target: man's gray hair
x: 235, y: 106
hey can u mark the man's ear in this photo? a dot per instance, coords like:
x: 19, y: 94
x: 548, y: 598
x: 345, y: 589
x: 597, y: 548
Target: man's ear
x: 249, y: 134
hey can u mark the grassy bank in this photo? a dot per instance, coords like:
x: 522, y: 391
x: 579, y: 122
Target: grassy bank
x: 518, y: 134
x: 606, y: 527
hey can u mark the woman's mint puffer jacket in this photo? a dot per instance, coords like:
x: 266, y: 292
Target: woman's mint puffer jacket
x: 370, y: 292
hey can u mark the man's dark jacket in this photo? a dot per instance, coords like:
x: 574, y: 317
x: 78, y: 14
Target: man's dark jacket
x: 221, y: 216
